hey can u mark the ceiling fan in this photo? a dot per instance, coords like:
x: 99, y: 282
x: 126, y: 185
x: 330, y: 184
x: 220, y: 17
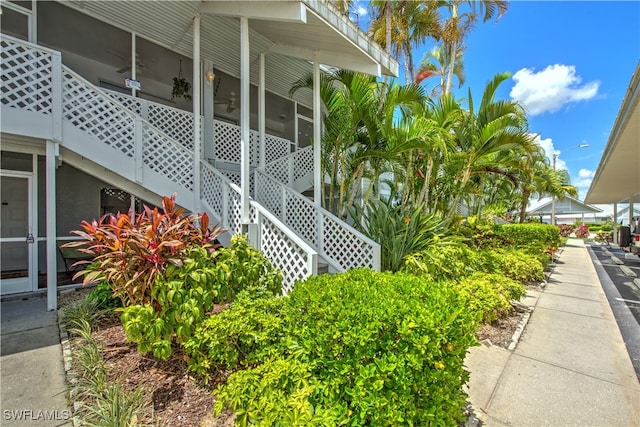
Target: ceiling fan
x: 139, y: 64
x: 231, y: 101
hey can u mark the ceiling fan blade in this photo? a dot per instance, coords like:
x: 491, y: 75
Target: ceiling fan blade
x: 124, y: 69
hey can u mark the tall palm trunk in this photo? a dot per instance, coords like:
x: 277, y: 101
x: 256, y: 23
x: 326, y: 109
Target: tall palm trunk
x: 453, y: 47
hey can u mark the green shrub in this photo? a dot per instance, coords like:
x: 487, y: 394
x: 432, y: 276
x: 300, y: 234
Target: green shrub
x: 102, y: 296
x: 363, y: 348
x: 489, y: 295
x: 279, y: 392
x: 400, y: 230
x: 181, y: 299
x: 523, y: 235
x: 444, y: 263
x: 241, y: 266
x: 514, y: 264
x: 185, y: 294
x: 251, y: 332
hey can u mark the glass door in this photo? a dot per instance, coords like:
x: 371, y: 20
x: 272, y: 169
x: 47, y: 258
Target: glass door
x: 16, y: 239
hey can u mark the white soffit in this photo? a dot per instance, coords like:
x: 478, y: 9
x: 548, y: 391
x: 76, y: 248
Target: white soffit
x: 290, y: 33
x: 617, y: 178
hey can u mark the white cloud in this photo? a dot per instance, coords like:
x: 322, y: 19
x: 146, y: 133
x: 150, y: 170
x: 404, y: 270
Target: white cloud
x: 547, y: 146
x: 583, y: 182
x: 550, y: 89
x: 362, y: 10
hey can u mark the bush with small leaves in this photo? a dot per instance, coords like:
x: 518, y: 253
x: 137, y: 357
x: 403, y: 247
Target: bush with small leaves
x: 489, y: 295
x: 362, y: 348
x: 251, y: 332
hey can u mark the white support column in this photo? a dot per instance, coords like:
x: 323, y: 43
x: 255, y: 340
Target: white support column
x: 615, y: 223
x: 134, y: 62
x: 197, y: 79
x: 261, y: 112
x: 207, y: 125
x: 33, y: 22
x: 317, y: 135
x: 245, y: 88
x: 52, y: 254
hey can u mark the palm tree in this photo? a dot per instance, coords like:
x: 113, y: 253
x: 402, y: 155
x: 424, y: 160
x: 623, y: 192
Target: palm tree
x: 401, y: 25
x: 485, y: 138
x: 436, y: 63
x: 360, y: 137
x: 458, y: 26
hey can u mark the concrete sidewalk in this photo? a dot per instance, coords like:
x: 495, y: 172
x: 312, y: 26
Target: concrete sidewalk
x: 33, y: 390
x: 570, y: 367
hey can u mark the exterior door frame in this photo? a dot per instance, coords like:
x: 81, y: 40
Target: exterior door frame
x: 32, y: 224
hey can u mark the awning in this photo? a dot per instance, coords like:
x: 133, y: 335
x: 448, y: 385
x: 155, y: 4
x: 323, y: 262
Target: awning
x: 617, y: 178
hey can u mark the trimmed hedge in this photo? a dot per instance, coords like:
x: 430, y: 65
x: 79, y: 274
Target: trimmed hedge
x: 358, y: 348
x: 523, y: 236
x: 489, y: 294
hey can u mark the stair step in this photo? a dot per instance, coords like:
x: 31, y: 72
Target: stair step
x: 323, y: 268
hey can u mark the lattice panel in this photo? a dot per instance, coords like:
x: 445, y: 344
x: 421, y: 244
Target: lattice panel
x: 26, y: 77
x: 269, y: 195
x: 94, y: 113
x: 279, y: 170
x: 234, y: 211
x: 276, y: 148
x: 346, y: 248
x: 212, y: 188
x: 302, y: 217
x: 132, y: 104
x: 227, y: 144
x: 284, y: 254
x: 254, y: 148
x: 302, y: 163
x: 166, y: 158
x: 175, y: 123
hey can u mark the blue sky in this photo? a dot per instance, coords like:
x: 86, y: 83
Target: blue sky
x: 571, y: 63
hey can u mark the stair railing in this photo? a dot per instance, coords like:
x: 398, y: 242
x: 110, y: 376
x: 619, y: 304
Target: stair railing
x: 341, y: 245
x: 34, y: 79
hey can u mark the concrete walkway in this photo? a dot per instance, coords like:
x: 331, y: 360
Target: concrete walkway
x: 570, y: 367
x: 32, y: 389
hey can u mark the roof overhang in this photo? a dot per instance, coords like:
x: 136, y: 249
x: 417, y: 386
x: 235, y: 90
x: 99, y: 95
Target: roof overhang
x: 617, y: 178
x: 568, y: 205
x: 309, y: 30
x: 292, y: 33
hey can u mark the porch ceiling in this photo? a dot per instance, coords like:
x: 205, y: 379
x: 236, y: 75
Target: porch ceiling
x: 617, y: 178
x: 290, y: 31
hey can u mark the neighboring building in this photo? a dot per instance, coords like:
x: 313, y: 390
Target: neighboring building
x: 567, y: 211
x: 79, y: 141
x: 617, y: 179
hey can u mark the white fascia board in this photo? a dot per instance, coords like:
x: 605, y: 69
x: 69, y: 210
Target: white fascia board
x: 264, y: 10
x: 347, y: 62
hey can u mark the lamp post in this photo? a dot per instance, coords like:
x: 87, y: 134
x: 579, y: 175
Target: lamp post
x: 553, y: 197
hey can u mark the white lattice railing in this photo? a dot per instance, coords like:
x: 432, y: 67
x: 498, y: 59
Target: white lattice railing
x: 291, y: 168
x: 34, y: 79
x: 287, y: 252
x: 338, y: 243
x: 178, y: 124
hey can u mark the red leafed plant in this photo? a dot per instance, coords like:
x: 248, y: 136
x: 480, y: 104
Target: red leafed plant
x: 130, y: 251
x: 582, y: 232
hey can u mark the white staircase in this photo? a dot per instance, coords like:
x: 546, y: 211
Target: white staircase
x: 151, y: 145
